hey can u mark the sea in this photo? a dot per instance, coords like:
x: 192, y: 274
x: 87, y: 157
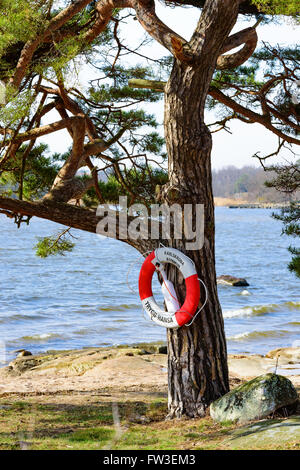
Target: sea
x: 89, y: 297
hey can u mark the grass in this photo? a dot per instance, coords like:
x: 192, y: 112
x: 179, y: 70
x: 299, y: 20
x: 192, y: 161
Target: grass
x: 40, y: 426
x: 32, y: 423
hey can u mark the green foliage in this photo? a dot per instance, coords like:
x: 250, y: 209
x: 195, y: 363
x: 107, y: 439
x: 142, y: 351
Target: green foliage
x: 118, y: 90
x: 290, y: 217
x: 288, y: 181
x: 60, y: 57
x: 152, y: 143
x: 53, y: 245
x: 294, y: 265
x: 114, y: 106
x: 18, y: 107
x: 39, y: 173
x: 132, y: 119
x: 24, y: 20
x: 243, y: 75
x: 278, y: 7
x: 142, y: 184
x: 266, y: 55
x: 20, y: 20
x: 286, y: 178
x: 111, y: 104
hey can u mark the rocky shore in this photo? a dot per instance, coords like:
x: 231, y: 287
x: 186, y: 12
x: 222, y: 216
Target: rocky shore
x: 137, y: 367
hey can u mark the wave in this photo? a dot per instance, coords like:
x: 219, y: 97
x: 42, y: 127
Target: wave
x: 119, y: 308
x: 260, y: 309
x: 257, y: 335
x: 84, y: 332
x: 20, y: 316
x: 38, y: 338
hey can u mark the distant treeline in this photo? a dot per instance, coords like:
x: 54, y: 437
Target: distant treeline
x: 245, y: 183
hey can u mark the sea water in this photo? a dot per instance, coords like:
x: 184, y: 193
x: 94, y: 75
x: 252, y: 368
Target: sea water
x: 89, y: 297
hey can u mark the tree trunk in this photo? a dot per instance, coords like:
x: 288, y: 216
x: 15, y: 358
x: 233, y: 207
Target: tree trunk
x: 197, y: 353
x: 197, y: 357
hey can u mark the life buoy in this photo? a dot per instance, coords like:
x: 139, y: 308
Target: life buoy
x: 156, y: 260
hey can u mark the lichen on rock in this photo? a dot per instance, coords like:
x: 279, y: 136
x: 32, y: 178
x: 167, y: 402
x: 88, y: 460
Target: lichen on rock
x: 255, y: 399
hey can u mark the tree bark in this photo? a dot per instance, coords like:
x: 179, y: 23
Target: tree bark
x: 75, y: 217
x: 246, y: 6
x: 197, y: 354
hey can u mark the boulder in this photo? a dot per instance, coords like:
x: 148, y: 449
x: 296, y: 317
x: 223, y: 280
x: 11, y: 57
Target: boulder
x: 21, y: 364
x: 232, y: 281
x: 144, y: 352
x: 23, y: 352
x: 255, y: 399
x: 270, y: 433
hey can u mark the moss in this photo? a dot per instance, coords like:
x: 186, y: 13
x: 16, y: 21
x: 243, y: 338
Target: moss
x: 255, y: 399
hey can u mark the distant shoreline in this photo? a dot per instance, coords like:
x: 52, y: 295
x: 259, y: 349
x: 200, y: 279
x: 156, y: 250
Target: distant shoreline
x: 242, y: 204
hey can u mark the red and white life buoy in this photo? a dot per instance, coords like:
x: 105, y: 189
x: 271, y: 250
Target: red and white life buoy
x: 180, y: 315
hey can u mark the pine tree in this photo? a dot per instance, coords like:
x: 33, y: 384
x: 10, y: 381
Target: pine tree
x: 287, y: 181
x: 43, y: 43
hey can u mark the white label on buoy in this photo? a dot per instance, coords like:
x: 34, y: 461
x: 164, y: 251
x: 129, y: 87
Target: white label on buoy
x: 159, y: 316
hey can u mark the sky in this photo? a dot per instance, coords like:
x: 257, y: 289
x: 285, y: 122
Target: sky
x: 235, y: 149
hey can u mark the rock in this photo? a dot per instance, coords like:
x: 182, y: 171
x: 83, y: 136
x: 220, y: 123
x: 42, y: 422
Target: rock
x: 291, y: 355
x: 143, y: 352
x: 6, y: 373
x: 270, y: 433
x: 23, y: 352
x: 256, y: 399
x: 163, y: 350
x: 249, y: 367
x: 245, y: 292
x: 232, y: 281
x: 139, y: 419
x: 21, y: 364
